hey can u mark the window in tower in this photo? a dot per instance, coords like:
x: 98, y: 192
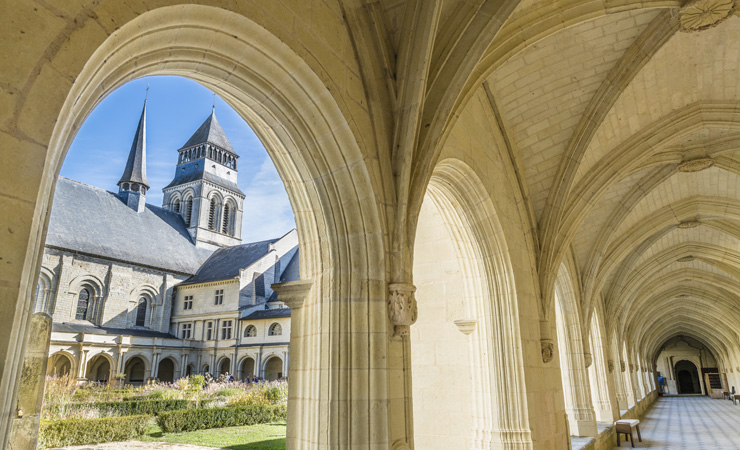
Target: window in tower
x: 227, y: 219
x: 83, y: 300
x: 141, y: 312
x: 188, y: 210
x: 212, y: 215
x: 176, y: 206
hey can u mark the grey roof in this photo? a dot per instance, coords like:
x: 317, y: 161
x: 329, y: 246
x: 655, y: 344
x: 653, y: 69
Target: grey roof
x: 210, y: 131
x: 192, y: 172
x: 225, y: 263
x: 275, y: 313
x: 71, y: 327
x: 94, y: 221
x: 136, y: 165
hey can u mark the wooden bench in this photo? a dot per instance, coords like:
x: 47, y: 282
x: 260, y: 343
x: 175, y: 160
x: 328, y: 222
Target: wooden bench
x: 625, y: 426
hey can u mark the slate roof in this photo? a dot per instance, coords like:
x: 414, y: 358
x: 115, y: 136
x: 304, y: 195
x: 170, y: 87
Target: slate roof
x: 136, y: 165
x: 94, y: 221
x: 210, y: 131
x: 225, y: 263
x: 275, y: 313
x: 71, y: 327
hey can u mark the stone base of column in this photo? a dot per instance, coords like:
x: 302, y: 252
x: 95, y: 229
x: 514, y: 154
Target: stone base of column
x: 582, y: 422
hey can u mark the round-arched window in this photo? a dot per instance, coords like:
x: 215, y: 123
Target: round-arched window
x: 250, y: 331
x: 83, y: 301
x: 275, y: 330
x: 141, y: 312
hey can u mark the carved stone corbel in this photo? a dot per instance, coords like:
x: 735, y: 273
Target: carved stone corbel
x: 632, y: 367
x: 548, y: 350
x: 589, y: 359
x: 610, y: 365
x: 293, y: 293
x: 622, y: 366
x: 466, y: 326
x: 402, y: 310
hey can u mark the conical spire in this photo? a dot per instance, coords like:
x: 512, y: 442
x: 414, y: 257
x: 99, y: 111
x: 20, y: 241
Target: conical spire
x: 210, y: 131
x: 135, y: 171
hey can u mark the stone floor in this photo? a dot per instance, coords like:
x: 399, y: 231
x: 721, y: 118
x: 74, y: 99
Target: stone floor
x: 697, y: 423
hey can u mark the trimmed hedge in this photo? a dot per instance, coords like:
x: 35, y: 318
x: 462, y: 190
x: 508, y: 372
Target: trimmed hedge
x: 137, y: 407
x: 127, y: 408
x: 199, y: 419
x: 62, y: 433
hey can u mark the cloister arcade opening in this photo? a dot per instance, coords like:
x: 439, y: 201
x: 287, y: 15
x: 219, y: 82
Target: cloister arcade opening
x: 135, y: 371
x: 166, y: 370
x: 687, y: 378
x: 59, y: 365
x: 247, y: 368
x: 273, y: 368
x: 99, y: 369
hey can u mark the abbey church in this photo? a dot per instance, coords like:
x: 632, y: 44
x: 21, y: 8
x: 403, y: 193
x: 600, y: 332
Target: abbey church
x: 518, y: 221
x: 139, y: 292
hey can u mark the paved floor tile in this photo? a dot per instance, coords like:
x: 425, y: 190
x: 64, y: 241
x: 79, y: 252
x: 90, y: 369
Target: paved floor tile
x: 696, y: 423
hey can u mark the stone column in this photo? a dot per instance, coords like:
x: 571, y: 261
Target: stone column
x: 285, y: 364
x: 602, y: 381
x: 82, y: 364
x: 25, y: 429
x: 619, y: 386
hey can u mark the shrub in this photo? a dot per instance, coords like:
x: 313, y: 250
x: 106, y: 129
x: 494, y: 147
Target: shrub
x: 197, y: 381
x: 132, y: 408
x: 62, y: 433
x: 116, y: 409
x: 198, y: 419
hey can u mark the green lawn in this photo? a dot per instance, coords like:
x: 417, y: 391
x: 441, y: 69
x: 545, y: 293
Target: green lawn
x: 252, y: 437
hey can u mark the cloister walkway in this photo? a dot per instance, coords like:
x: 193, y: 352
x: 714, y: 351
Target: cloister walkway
x: 697, y: 423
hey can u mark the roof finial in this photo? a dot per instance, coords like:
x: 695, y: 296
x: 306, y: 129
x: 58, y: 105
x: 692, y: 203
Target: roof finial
x: 213, y: 108
x: 146, y: 94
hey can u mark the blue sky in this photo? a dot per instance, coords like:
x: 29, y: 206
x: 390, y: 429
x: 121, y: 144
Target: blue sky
x: 175, y: 109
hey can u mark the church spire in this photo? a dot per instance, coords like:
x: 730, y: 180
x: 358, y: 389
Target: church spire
x: 132, y: 186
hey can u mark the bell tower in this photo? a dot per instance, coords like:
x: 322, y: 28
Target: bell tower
x: 204, y: 190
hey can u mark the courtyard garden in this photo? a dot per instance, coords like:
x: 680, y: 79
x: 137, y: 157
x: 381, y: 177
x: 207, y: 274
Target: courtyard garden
x: 219, y: 414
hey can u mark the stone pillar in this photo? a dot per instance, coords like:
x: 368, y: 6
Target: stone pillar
x: 25, y: 429
x: 82, y: 364
x: 602, y: 382
x: 285, y: 364
x: 619, y: 384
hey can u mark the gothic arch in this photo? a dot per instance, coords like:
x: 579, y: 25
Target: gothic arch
x: 576, y: 387
x: 498, y: 416
x: 62, y: 363
x: 329, y: 183
x: 97, y: 296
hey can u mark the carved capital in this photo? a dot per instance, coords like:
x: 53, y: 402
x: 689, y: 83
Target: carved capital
x: 589, y: 359
x: 632, y: 367
x: 622, y: 366
x: 293, y: 293
x: 610, y: 365
x: 548, y: 350
x: 402, y: 310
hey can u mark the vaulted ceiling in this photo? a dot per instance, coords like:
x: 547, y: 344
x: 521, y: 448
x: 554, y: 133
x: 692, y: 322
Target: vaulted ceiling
x: 624, y: 120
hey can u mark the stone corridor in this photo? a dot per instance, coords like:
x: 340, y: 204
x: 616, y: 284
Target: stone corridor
x: 697, y: 423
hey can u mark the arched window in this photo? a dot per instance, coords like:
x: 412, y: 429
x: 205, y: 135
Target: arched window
x: 250, y: 331
x: 141, y: 312
x: 176, y: 206
x: 227, y: 219
x: 275, y: 330
x: 83, y: 301
x: 188, y: 210
x: 212, y: 215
